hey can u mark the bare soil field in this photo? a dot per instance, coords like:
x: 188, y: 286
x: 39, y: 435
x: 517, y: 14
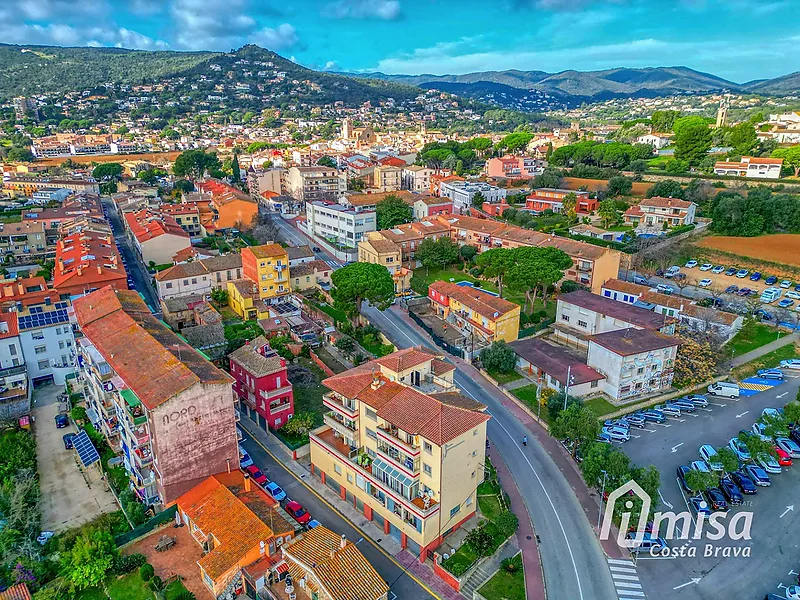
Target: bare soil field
x: 152, y: 157
x: 596, y: 185
x: 779, y: 248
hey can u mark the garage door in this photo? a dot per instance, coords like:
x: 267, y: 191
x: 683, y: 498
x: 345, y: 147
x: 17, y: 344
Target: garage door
x: 395, y: 532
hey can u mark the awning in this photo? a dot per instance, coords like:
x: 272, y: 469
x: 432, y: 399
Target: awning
x: 381, y: 465
x: 281, y: 567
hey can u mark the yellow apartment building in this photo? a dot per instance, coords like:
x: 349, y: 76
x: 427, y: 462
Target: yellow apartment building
x: 403, y: 446
x: 265, y: 271
x: 380, y: 251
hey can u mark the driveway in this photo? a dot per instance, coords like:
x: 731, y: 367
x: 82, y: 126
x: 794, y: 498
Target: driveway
x: 70, y: 497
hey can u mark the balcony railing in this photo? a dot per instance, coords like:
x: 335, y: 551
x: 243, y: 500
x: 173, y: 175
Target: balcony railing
x: 9, y: 371
x: 391, y: 435
x: 340, y: 405
x: 406, y: 463
x: 340, y: 425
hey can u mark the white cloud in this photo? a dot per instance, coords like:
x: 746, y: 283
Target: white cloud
x: 145, y: 8
x: 44, y: 10
x: 280, y: 38
x: 363, y: 9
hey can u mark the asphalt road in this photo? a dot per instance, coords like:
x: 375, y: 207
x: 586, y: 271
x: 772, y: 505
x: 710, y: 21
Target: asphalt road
x: 573, y: 562
x: 135, y: 268
x: 775, y: 530
x: 294, y: 237
x: 400, y: 582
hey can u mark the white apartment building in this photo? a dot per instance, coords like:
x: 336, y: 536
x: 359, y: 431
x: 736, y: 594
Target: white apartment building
x: 198, y: 277
x: 314, y: 183
x: 339, y: 224
x: 47, y: 342
x: 462, y: 193
x: 417, y: 179
x: 387, y: 178
x: 13, y: 376
x: 750, y: 166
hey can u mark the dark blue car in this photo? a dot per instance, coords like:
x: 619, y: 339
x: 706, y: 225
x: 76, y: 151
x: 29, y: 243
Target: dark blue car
x: 770, y: 280
x: 730, y: 491
x: 755, y: 276
x: 743, y: 481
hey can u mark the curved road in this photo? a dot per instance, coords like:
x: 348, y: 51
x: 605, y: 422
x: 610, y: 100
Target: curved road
x: 573, y: 562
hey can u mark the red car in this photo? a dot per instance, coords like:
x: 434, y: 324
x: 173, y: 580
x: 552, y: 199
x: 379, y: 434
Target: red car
x: 298, y: 512
x: 784, y: 459
x: 256, y: 474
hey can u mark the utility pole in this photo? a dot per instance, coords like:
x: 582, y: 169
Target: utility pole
x: 570, y: 381
x: 602, y: 497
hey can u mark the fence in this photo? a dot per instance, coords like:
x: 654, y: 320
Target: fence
x: 160, y: 519
x: 535, y: 328
x: 459, y: 352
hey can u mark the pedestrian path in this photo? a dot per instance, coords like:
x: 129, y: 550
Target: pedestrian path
x: 626, y: 580
x: 765, y: 349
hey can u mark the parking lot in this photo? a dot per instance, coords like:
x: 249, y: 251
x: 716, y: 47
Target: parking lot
x: 69, y: 497
x: 774, y: 557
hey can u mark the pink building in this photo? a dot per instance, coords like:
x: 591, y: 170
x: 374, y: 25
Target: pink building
x: 262, y: 384
x: 511, y: 167
x: 553, y: 199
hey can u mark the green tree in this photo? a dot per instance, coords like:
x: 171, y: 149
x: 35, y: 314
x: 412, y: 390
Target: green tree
x: 195, y: 163
x: 755, y: 445
x: 791, y: 411
x: 663, y: 120
x: 692, y: 139
x: 743, y: 138
x: 327, y: 161
x: 569, y: 204
x: 496, y: 263
x: 20, y: 154
x: 107, y: 171
x: 607, y: 210
x: 235, y: 170
x: 619, y: 186
x: 90, y: 559
x: 480, y: 540
x: 219, y: 296
x: 578, y: 423
x: 604, y: 457
x: 727, y: 458
x: 468, y: 252
x: 393, y: 211
x: 695, y: 362
x: 700, y: 481
x: 791, y: 158
x: 346, y: 344
x: 550, y: 178
x: 184, y: 185
x: 357, y: 282
x: 299, y: 425
x: 499, y: 357
x: 668, y: 188
x: 478, y: 199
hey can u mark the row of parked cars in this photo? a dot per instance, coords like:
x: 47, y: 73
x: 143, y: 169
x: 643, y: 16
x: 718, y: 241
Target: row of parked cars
x: 294, y: 508
x: 131, y: 283
x: 735, y: 271
x: 618, y: 430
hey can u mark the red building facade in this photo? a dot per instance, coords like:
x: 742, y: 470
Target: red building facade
x: 262, y: 384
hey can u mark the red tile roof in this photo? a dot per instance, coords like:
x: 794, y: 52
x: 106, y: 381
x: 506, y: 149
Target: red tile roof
x: 148, y: 224
x: 16, y: 592
x: 406, y: 359
x: 486, y: 305
x: 9, y: 326
x: 85, y: 261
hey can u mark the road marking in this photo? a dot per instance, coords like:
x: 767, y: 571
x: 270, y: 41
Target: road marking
x: 625, y: 584
x: 675, y: 448
x: 742, y: 414
x: 635, y: 436
x: 693, y: 581
x: 782, y: 395
x: 663, y: 424
x: 626, y: 580
x: 718, y: 404
x: 622, y: 577
x: 352, y: 524
x: 622, y: 569
x: 667, y: 504
x: 681, y: 420
x: 616, y: 561
x: 707, y: 409
x: 788, y: 508
x: 692, y: 415
x: 649, y: 430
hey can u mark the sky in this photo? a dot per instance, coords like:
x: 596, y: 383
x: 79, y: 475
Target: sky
x: 740, y: 40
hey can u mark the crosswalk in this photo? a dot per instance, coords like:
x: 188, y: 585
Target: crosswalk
x: 623, y: 572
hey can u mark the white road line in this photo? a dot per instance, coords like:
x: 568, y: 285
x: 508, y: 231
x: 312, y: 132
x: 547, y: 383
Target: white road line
x: 630, y: 594
x: 621, y: 569
x: 649, y: 430
x: 625, y: 584
x: 707, y: 409
x: 616, y: 561
x: 624, y: 577
x: 717, y: 404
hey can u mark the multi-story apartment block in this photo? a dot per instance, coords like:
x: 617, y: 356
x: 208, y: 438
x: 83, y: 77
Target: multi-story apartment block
x: 387, y: 178
x: 87, y: 261
x: 47, y: 341
x: 262, y: 384
x: 592, y: 265
x: 416, y: 178
x: 409, y: 236
x: 198, y: 277
x: 263, y: 183
x: 308, y: 184
x: 553, y: 199
x: 26, y: 242
x: 187, y: 216
x: 384, y: 252
x: 751, y: 166
x: 230, y: 207
x: 159, y: 402
x: 13, y: 375
x: 26, y: 186
x: 656, y: 212
x: 316, y: 273
x: 157, y: 237
x: 513, y: 167
x: 401, y: 444
x: 77, y: 205
x: 463, y: 192
x: 268, y: 267
x: 338, y: 224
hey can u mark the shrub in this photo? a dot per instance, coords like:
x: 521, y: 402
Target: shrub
x: 480, y: 540
x: 78, y: 413
x: 498, y: 357
x: 126, y: 564
x: 507, y: 523
x: 185, y: 595
x: 511, y: 565
x: 146, y: 572
x: 156, y: 584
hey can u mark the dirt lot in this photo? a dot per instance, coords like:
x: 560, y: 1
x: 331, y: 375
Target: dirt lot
x: 779, y: 248
x: 69, y: 497
x: 596, y: 185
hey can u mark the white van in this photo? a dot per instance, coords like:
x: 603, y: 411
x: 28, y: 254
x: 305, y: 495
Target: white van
x: 724, y: 388
x: 770, y: 295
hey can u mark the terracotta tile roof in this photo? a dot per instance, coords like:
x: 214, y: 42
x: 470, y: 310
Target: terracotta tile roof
x: 217, y: 511
x: 618, y: 285
x: 381, y: 246
x: 349, y: 384
x: 255, y: 363
x: 440, y: 367
x: 150, y: 358
x: 754, y: 160
x: 664, y: 300
x: 30, y: 290
x: 9, y: 326
x: 336, y: 564
x: 555, y: 361
x: 661, y: 202
x: 627, y: 342
x: 148, y: 224
x: 712, y: 316
x: 16, y: 592
x: 309, y: 268
x: 267, y: 251
x: 205, y: 266
x: 87, y: 260
x: 406, y: 359
x: 458, y: 400
x: 486, y: 305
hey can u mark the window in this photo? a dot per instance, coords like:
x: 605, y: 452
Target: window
x: 371, y: 414
x: 349, y: 478
x: 44, y: 364
x: 37, y: 335
x: 337, y: 469
x: 426, y: 468
x: 454, y: 510
x: 12, y: 349
x: 61, y: 345
x: 15, y: 362
x: 371, y: 434
x: 469, y: 501
x: 594, y: 384
x: 40, y: 349
x: 640, y: 370
x: 583, y: 324
x: 194, y: 280
x: 169, y: 285
x: 428, y: 448
x: 565, y: 318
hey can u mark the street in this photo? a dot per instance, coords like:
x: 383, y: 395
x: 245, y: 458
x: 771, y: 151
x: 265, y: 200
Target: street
x: 135, y: 269
x: 294, y: 237
x: 573, y: 561
x: 400, y: 582
x: 775, y: 530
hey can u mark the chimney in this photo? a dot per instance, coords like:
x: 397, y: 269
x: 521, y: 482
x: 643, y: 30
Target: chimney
x: 376, y: 380
x: 247, y: 485
x: 99, y: 270
x: 343, y: 543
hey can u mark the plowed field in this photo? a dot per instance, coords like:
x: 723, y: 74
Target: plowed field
x: 779, y: 248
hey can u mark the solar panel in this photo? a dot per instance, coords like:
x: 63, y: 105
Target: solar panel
x: 86, y: 450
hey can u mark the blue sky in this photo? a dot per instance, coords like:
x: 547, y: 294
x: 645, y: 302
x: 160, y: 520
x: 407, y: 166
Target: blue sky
x: 737, y: 39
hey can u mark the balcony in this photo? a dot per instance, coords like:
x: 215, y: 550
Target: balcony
x: 343, y: 406
x: 391, y: 434
x: 267, y: 394
x: 279, y: 407
x: 340, y: 425
x: 407, y: 464
x: 585, y: 267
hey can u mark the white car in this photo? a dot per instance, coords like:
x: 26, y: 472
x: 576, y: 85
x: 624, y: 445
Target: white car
x: 768, y: 463
x: 706, y: 267
x: 708, y: 454
x: 718, y: 269
x: 691, y: 264
x: 786, y: 284
x: 791, y: 363
x: 699, y: 465
x: 705, y: 282
x: 793, y: 295
x: 789, y: 446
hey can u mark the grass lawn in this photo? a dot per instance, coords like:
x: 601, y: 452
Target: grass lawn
x: 309, y: 398
x: 337, y: 315
x: 528, y: 395
x: 173, y: 589
x: 768, y: 361
x: 505, y: 586
x: 490, y: 506
x: 752, y: 335
x: 91, y: 594
x: 243, y: 329
x: 461, y: 560
x: 129, y: 587
x: 502, y: 378
x: 227, y: 313
x: 620, y: 228
x: 600, y: 406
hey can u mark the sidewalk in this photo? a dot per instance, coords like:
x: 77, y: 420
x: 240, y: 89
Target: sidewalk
x: 765, y: 349
x: 348, y: 511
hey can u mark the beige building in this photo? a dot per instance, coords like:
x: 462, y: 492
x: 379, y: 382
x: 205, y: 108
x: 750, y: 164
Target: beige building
x: 403, y: 445
x: 316, y: 273
x: 387, y: 178
x: 315, y: 183
x: 417, y: 178
x: 24, y: 241
x: 379, y: 251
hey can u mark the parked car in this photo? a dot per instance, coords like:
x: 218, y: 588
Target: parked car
x: 770, y: 374
x: 298, y: 513
x: 698, y: 400
x: 684, y: 404
x: 637, y: 419
x: 755, y: 276
x: 653, y: 415
x: 699, y: 505
x: 783, y: 458
x: 672, y: 271
x: 730, y: 491
x: 731, y: 289
x: 313, y: 523
x: 797, y: 288
x: 603, y: 438
x: 62, y: 421
x: 793, y: 295
x: 256, y: 474
x: 785, y: 303
x: 791, y: 363
x: 617, y: 434
x: 768, y: 463
x: 705, y: 282
x: 640, y: 279
x: 738, y: 447
x: 691, y: 264
x: 786, y: 284
x: 275, y: 491
x: 244, y: 458
x: 718, y: 269
x: 716, y: 500
x: 699, y: 465
x: 623, y: 423
x: 710, y: 303
x: 669, y: 410
x: 743, y: 292
x: 731, y: 271
x: 744, y: 482
x: 708, y: 454
x: 649, y: 542
x: 316, y: 249
x: 69, y: 441
x: 789, y: 446
x: 682, y: 472
x: 757, y: 475
x: 770, y: 280
x: 706, y: 267
x: 759, y: 429
x: 664, y: 288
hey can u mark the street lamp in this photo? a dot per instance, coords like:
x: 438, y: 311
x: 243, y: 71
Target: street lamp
x: 602, y: 497
x: 570, y: 381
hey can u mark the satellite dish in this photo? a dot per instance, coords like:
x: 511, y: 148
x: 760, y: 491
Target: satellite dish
x: 445, y: 556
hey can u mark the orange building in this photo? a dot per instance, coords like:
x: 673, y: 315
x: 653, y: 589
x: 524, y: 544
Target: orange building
x: 231, y: 206
x: 86, y: 262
